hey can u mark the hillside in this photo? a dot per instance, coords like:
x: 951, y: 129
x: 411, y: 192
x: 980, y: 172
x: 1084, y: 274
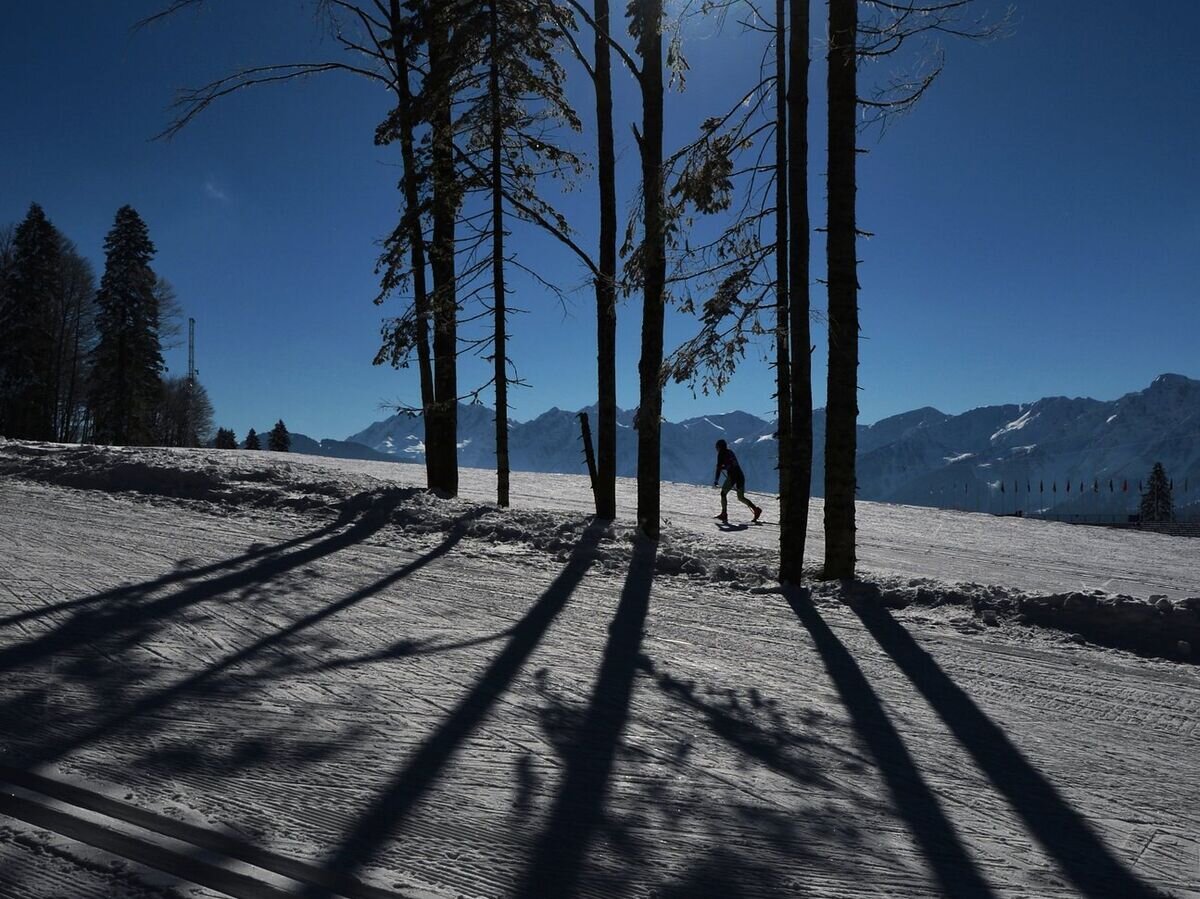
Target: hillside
x: 325, y: 681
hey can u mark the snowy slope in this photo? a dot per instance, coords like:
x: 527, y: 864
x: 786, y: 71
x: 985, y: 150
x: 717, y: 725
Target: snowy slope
x: 311, y: 675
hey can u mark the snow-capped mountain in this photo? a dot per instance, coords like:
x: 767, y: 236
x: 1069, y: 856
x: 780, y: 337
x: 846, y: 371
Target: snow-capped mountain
x: 922, y: 457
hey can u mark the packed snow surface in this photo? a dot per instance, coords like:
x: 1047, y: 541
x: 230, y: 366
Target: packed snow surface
x: 315, y: 676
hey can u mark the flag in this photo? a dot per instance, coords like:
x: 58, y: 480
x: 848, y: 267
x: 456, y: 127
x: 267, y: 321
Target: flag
x: 1096, y: 485
x: 1110, y: 486
x: 1041, y: 486
x: 1054, y: 487
x: 1125, y: 486
x: 1001, y: 486
x: 1068, y: 486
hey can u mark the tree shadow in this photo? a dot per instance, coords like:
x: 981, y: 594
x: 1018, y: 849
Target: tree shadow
x: 386, y: 815
x: 956, y: 873
x: 183, y: 572
x: 127, y: 613
x: 578, y: 810
x: 206, y: 677
x: 1062, y: 831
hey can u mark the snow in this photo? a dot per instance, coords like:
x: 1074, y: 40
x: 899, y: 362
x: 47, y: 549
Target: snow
x: 961, y: 457
x: 316, y: 659
x: 1016, y: 425
x: 1111, y: 418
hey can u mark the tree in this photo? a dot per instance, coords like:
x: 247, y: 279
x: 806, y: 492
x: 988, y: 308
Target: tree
x: 127, y: 360
x: 645, y: 25
x: 887, y: 29
x: 252, y: 440
x: 279, y: 440
x: 32, y: 291
x: 226, y: 439
x: 185, y: 414
x: 841, y: 420
x: 1157, y: 504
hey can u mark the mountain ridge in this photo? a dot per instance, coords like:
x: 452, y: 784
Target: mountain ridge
x: 919, y: 457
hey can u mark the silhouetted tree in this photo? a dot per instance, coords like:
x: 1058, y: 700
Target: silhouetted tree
x: 1157, y: 504
x: 252, y: 440
x: 226, y: 439
x: 645, y: 25
x: 32, y: 291
x: 127, y: 360
x: 841, y: 416
x: 886, y: 29
x: 279, y: 440
x: 185, y: 414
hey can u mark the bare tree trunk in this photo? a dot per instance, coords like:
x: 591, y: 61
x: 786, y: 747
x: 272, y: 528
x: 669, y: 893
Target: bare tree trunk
x: 606, y: 283
x: 793, y: 525
x: 842, y: 404
x: 654, y: 265
x: 442, y: 424
x: 416, y: 236
x: 500, y: 346
x: 783, y: 377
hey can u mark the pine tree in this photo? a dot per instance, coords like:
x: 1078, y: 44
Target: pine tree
x: 127, y: 361
x: 1157, y: 504
x: 32, y: 291
x: 279, y: 440
x: 226, y: 439
x: 252, y: 440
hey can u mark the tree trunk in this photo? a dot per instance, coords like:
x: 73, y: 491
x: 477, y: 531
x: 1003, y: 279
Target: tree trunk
x: 500, y: 347
x: 793, y: 526
x: 654, y: 265
x: 416, y: 235
x: 783, y: 378
x: 842, y: 402
x: 606, y: 284
x: 442, y: 424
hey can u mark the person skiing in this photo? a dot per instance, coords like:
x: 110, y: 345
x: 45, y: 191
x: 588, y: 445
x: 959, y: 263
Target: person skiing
x: 734, y: 477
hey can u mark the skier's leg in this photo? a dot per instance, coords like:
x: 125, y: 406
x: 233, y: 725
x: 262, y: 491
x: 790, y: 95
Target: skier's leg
x: 725, y: 488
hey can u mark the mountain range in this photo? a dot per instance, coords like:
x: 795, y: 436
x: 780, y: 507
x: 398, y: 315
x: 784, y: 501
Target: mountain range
x: 994, y: 458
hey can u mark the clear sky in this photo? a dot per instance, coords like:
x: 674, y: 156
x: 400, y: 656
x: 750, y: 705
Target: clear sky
x: 1036, y: 218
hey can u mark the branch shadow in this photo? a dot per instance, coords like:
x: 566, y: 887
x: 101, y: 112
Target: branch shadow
x: 184, y: 571
x: 578, y: 809
x: 203, y: 678
x: 386, y: 815
x: 1062, y: 831
x: 118, y: 618
x: 956, y: 873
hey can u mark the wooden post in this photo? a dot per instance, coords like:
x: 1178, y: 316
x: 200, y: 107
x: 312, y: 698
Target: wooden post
x: 588, y: 453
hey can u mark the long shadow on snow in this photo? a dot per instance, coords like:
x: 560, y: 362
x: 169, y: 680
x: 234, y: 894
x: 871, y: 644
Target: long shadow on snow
x: 136, y: 591
x: 191, y: 684
x: 386, y: 815
x: 956, y: 873
x: 108, y: 623
x: 578, y: 810
x: 1066, y: 836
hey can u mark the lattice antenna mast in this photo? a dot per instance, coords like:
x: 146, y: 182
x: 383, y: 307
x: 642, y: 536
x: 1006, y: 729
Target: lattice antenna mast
x: 191, y: 352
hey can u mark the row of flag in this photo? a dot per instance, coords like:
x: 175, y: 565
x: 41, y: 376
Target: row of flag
x: 1096, y: 486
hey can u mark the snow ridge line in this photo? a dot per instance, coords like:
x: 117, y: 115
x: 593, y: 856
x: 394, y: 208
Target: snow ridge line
x: 29, y: 804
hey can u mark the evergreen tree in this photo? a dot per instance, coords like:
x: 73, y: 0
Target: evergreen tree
x: 32, y: 289
x: 127, y: 361
x: 226, y: 439
x: 279, y: 440
x: 252, y: 440
x: 1157, y: 504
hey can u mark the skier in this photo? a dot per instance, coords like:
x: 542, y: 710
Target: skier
x: 734, y: 477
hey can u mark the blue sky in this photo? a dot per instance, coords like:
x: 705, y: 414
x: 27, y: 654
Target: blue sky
x: 1036, y: 218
